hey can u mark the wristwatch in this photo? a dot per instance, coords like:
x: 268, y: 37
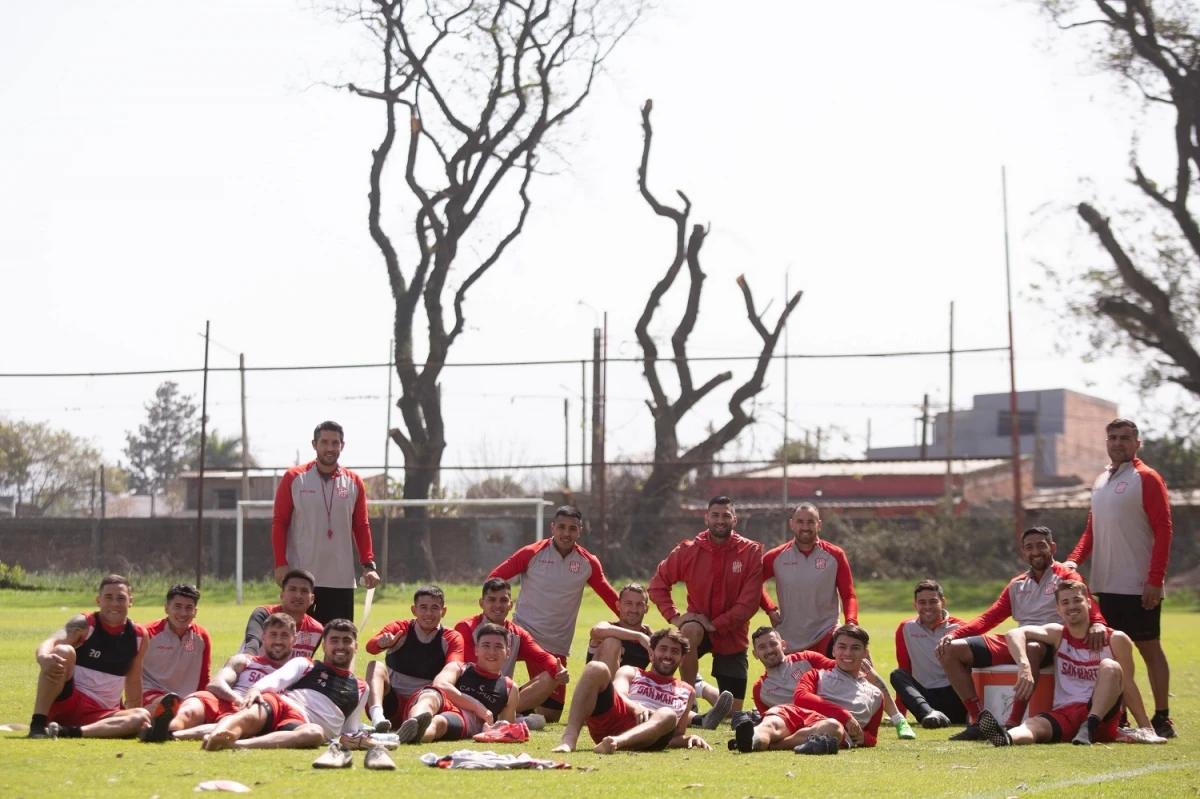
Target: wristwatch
x: 369, y: 566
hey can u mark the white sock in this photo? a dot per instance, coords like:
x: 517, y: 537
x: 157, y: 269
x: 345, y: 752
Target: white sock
x: 376, y: 714
x: 896, y: 718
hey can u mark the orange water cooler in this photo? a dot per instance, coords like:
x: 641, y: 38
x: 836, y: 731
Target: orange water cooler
x: 995, y: 687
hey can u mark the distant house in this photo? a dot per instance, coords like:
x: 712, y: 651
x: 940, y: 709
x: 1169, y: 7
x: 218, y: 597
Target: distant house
x: 223, y: 489
x: 874, y: 488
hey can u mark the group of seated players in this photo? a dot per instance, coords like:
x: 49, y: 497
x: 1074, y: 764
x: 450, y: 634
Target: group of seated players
x: 439, y: 683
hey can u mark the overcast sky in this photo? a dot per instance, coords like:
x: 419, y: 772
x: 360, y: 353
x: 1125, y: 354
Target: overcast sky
x: 163, y: 163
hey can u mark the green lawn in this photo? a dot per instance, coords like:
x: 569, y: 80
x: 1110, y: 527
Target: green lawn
x: 930, y: 766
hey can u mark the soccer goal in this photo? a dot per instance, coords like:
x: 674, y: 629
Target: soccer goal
x: 538, y: 505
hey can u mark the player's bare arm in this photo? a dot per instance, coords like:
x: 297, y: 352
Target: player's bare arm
x: 133, y: 678
x: 509, y: 713
x: 1122, y: 651
x: 72, y: 634
x: 681, y: 739
x: 221, y: 685
x: 447, y: 682
x: 609, y: 630
x: 1049, y: 634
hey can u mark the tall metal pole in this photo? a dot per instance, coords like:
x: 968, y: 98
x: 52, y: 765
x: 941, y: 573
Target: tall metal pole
x: 566, y: 444
x: 597, y: 432
x: 786, y: 359
x: 950, y: 426
x: 245, y: 434
x: 387, y: 454
x: 603, y: 445
x: 925, y: 428
x: 203, y: 446
x: 583, y: 426
x: 1014, y: 426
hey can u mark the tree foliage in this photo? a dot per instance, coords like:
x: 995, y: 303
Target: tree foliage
x: 158, y: 452
x: 219, y: 452
x: 50, y: 471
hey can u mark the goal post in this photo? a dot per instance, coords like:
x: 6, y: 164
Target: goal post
x: 537, y: 503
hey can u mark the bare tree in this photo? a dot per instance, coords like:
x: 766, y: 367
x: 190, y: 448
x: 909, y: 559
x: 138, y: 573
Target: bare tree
x: 1149, y: 300
x: 483, y: 84
x: 672, y: 462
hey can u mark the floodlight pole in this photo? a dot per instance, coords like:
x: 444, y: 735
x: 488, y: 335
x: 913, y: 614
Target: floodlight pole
x: 200, y: 478
x: 387, y: 453
x: 1014, y: 426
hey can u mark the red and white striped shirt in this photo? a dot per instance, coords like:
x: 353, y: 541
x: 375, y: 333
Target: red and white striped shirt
x: 175, y: 664
x: 1076, y: 668
x: 652, y: 690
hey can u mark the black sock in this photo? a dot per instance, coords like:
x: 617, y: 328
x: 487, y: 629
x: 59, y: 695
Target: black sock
x: 1093, y: 722
x: 38, y: 722
x: 1162, y: 713
x: 70, y: 732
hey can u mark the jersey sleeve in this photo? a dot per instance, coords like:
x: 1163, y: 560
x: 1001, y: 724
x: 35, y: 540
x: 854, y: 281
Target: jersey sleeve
x: 1157, y: 505
x: 252, y: 639
x: 516, y: 564
x: 463, y: 628
x: 599, y: 582
x: 205, y: 661
x: 806, y: 697
x: 1084, y: 548
x: 903, y: 661
x: 814, y: 659
x: 871, y: 731
x: 748, y: 599
x: 669, y: 572
x: 766, y: 603
x: 360, y: 524
x: 534, y: 655
x: 759, y: 704
x: 845, y: 586
x: 455, y: 648
x: 396, y: 628
x: 1000, y: 610
x: 285, y: 676
x: 281, y: 518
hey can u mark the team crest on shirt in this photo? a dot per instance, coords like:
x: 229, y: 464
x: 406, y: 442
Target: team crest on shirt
x: 821, y: 563
x: 1048, y: 590
x: 343, y: 492
x: 737, y: 565
x: 190, y: 644
x: 575, y: 567
x: 1121, y: 486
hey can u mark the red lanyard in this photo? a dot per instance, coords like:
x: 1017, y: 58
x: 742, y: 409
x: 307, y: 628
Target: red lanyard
x: 329, y: 502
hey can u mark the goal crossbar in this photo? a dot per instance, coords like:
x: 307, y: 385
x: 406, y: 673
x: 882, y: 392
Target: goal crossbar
x: 538, y: 504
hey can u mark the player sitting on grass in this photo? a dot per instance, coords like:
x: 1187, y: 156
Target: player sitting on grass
x: 178, y: 657
x: 919, y: 679
x: 1089, y: 684
x: 635, y: 709
x: 322, y: 699
x: 225, y: 694
x: 465, y: 696
x: 832, y: 707
x: 417, y: 650
x: 85, y: 666
x: 295, y: 598
x: 496, y: 603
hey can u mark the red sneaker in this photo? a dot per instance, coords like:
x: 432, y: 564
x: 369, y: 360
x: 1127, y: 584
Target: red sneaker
x: 504, y: 733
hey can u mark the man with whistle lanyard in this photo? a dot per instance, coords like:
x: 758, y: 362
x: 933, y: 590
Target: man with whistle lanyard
x: 320, y: 520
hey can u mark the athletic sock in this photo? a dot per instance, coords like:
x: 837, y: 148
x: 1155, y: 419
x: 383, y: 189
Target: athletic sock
x: 1163, y: 713
x: 376, y: 714
x: 38, y: 722
x: 1093, y: 722
x: 897, y: 718
x: 70, y: 732
x: 1017, y: 713
x: 974, y: 708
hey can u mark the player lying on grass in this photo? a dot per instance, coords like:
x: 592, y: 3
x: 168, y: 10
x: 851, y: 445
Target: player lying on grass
x: 85, y: 667
x: 635, y: 709
x: 465, y: 696
x: 831, y: 707
x: 225, y: 694
x: 1029, y: 599
x: 322, y: 700
x: 178, y: 656
x: 1089, y: 684
x: 295, y: 598
x: 417, y: 650
x: 496, y: 603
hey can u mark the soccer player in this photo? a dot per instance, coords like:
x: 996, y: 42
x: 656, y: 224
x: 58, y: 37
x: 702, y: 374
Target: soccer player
x: 920, y: 681
x: 1129, y: 528
x: 553, y: 574
x: 723, y: 572
x: 294, y: 599
x: 320, y: 519
x: 625, y: 642
x: 1029, y: 599
x: 225, y: 694
x: 781, y: 671
x: 811, y: 576
x: 1089, y: 683
x: 496, y: 603
x: 468, y: 695
x: 179, y: 655
x: 833, y: 707
x: 302, y: 703
x: 417, y: 651
x: 635, y: 709
x: 85, y: 667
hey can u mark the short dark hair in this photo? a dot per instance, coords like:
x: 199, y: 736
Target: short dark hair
x: 341, y: 626
x: 301, y: 574
x: 1070, y: 585
x: 672, y: 634
x: 332, y: 427
x: 496, y: 584
x: 807, y: 506
x: 1038, y: 530
x: 430, y: 590
x: 760, y: 632
x: 569, y: 511
x: 929, y: 585
x: 114, y: 579
x: 854, y: 631
x: 720, y: 499
x: 491, y: 629
x: 184, y: 590
x: 636, y: 587
x: 280, y: 620
x: 1119, y: 423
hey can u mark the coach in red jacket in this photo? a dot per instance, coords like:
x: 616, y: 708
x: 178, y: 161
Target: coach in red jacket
x: 724, y: 576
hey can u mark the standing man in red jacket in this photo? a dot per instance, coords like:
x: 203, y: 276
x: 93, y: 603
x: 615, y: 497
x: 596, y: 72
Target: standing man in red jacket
x: 320, y: 520
x: 1129, y: 529
x: 724, y: 576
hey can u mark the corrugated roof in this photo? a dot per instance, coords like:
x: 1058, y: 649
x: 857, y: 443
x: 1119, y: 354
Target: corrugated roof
x: 817, y: 469
x: 827, y: 503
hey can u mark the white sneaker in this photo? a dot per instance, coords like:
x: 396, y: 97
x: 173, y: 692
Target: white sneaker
x: 1133, y: 735
x: 377, y: 758
x: 718, y: 712
x: 336, y: 756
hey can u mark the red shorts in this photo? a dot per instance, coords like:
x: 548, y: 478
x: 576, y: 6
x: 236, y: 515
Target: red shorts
x: 214, y: 709
x: 152, y: 696
x: 1067, y: 719
x: 794, y: 718
x: 403, y: 704
x: 78, y: 710
x: 557, y: 699
x: 281, y: 713
x: 617, y: 719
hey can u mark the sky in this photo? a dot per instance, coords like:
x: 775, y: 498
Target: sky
x: 163, y: 165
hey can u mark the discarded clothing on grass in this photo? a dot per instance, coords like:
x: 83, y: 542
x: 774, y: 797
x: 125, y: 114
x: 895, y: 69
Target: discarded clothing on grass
x: 470, y: 759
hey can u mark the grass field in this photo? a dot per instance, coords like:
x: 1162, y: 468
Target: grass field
x: 930, y: 766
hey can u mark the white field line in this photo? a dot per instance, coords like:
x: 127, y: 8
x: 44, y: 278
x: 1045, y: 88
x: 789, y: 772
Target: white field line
x: 1092, y: 780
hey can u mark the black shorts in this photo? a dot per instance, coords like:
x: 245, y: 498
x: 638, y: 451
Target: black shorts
x: 332, y: 603
x: 1124, y: 612
x: 735, y: 665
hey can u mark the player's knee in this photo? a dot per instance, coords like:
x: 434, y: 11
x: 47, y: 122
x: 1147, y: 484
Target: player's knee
x: 1110, y: 668
x: 373, y: 667
x: 664, y: 717
x: 694, y: 632
x: 310, y: 735
x: 137, y: 718
x: 594, y: 671
x: 609, y: 647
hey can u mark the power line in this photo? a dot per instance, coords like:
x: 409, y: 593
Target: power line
x: 560, y: 362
